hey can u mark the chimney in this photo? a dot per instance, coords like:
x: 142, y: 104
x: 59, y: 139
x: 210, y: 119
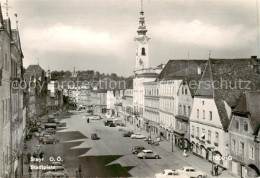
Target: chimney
x: 199, y: 70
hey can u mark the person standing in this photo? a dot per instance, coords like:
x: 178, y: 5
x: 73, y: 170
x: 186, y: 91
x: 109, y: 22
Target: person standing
x: 29, y: 158
x: 41, y: 154
x: 30, y: 171
x: 80, y: 170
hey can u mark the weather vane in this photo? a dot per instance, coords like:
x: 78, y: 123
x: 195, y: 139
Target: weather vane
x: 141, y: 5
x: 7, y: 7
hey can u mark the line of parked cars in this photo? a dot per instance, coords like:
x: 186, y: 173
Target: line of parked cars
x: 184, y: 172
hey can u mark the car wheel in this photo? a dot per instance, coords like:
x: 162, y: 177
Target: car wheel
x: 200, y: 176
x: 144, y: 157
x: 135, y: 152
x: 156, y: 157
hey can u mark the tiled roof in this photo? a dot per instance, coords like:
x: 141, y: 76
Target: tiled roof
x: 33, y: 68
x: 249, y: 105
x: 222, y: 81
x: 181, y: 68
x: 253, y: 106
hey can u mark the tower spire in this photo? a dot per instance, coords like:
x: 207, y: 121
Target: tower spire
x: 142, y: 27
x: 142, y: 6
x: 7, y: 7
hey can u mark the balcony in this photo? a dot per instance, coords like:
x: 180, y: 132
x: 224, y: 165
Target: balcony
x: 198, y: 138
x: 192, y: 136
x: 216, y: 144
x: 208, y: 141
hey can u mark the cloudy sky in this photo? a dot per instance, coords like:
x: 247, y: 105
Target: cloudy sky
x: 98, y: 34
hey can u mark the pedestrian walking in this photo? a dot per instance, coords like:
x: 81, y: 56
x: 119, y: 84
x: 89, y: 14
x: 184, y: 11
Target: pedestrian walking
x: 41, y: 154
x: 80, y: 170
x: 34, y: 156
x: 29, y: 158
x: 30, y: 171
x: 184, y: 153
x: 216, y: 171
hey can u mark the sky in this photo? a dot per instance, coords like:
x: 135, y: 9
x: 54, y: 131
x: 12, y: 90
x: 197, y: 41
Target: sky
x: 99, y: 34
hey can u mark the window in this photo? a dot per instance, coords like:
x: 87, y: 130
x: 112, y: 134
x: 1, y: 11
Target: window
x: 186, y: 91
x: 143, y: 51
x: 210, y: 115
x: 245, y: 126
x: 233, y: 146
x: 193, y: 130
x: 198, y: 131
x: 242, y: 148
x: 203, y: 114
x: 180, y: 107
x: 198, y: 113
x: 209, y: 135
x: 217, y: 137
x: 252, y: 152
x: 188, y: 114
x: 184, y: 110
x: 203, y: 102
x: 237, y: 124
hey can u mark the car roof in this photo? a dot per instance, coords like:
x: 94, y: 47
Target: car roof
x: 147, y: 151
x: 169, y: 170
x: 188, y: 167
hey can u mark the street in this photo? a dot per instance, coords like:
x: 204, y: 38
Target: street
x: 108, y: 157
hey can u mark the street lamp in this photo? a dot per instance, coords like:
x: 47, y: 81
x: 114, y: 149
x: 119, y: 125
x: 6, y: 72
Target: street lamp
x: 38, y: 147
x: 212, y: 152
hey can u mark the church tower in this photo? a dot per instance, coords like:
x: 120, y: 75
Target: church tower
x: 142, y: 60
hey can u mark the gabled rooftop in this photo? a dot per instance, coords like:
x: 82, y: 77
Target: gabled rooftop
x: 180, y: 68
x: 225, y: 80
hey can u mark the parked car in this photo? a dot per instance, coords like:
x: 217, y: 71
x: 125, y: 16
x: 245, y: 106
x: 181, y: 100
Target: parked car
x: 112, y: 125
x: 137, y: 149
x: 147, y: 139
x: 170, y: 173
x: 147, y: 154
x: 137, y: 136
x: 94, y: 136
x: 108, y: 122
x: 50, y: 130
x: 191, y: 172
x: 50, y: 125
x: 56, y: 172
x: 56, y: 163
x: 96, y: 117
x: 127, y: 134
x: 154, y: 143
x: 56, y: 114
x: 49, y: 139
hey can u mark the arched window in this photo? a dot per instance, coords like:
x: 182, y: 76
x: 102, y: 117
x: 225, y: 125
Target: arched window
x: 143, y: 51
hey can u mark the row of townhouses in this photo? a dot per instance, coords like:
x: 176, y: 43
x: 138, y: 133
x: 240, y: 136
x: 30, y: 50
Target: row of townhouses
x: 12, y: 110
x: 210, y: 106
x: 24, y: 96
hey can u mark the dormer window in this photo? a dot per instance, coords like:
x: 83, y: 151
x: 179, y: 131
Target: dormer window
x: 143, y: 51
